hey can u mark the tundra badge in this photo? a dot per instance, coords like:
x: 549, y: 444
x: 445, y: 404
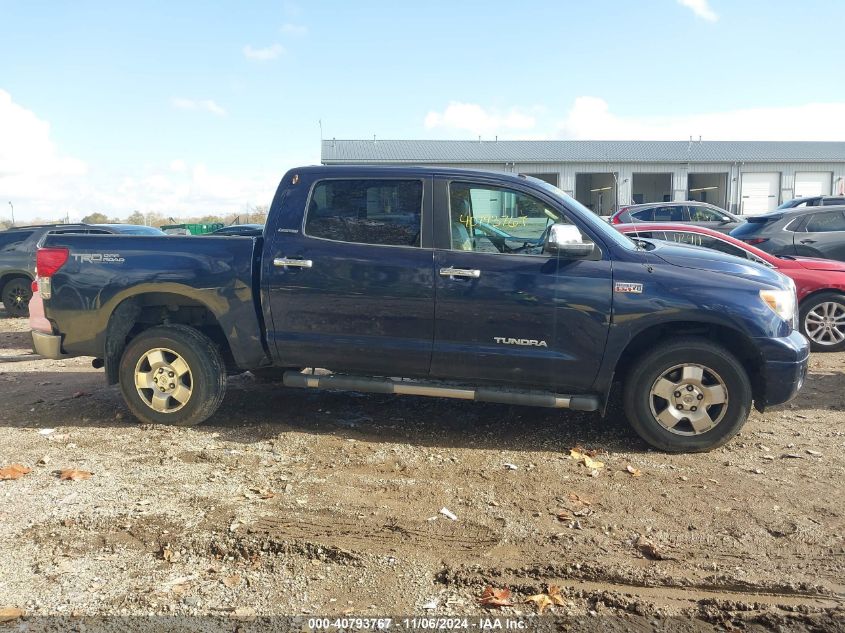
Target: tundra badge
x: 520, y: 341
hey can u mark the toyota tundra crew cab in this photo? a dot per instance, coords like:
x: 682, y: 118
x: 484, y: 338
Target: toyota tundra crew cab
x: 430, y: 282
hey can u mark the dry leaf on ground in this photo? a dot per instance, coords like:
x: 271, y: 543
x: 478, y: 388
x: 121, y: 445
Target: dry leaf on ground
x: 541, y: 600
x: 555, y: 595
x: 649, y: 549
x: 15, y: 471
x: 7, y: 614
x: 495, y: 598
x: 231, y: 581
x: 635, y: 472
x: 72, y: 474
x: 592, y: 464
x: 578, y: 499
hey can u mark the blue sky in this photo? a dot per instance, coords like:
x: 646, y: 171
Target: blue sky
x: 188, y: 107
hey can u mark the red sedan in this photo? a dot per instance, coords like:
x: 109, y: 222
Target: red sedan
x: 820, y: 282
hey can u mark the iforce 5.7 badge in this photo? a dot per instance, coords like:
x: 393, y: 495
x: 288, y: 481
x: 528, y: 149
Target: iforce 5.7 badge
x: 626, y: 286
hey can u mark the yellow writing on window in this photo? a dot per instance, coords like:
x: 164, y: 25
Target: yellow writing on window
x: 493, y: 220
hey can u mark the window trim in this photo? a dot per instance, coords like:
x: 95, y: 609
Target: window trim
x: 424, y: 231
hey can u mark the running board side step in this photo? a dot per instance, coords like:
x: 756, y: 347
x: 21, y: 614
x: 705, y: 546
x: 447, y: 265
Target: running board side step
x: 437, y: 390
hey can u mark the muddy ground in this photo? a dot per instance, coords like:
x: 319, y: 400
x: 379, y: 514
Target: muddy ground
x: 293, y: 502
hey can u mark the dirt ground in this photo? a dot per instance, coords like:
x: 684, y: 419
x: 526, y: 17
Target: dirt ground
x: 294, y: 502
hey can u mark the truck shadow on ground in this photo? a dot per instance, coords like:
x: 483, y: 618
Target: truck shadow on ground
x: 253, y: 412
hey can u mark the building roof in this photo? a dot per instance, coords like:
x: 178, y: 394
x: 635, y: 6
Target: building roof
x: 422, y: 152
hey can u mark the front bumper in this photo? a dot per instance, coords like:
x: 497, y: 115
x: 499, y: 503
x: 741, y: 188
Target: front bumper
x: 784, y: 367
x: 47, y: 345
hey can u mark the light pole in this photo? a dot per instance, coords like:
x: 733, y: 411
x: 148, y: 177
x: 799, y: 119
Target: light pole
x: 13, y: 212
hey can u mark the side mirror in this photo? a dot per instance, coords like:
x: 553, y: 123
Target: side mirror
x: 566, y: 240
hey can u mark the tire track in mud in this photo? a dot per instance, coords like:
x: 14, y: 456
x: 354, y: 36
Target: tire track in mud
x: 369, y: 536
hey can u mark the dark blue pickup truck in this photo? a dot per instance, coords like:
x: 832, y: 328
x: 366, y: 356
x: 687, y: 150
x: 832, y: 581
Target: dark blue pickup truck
x: 430, y: 282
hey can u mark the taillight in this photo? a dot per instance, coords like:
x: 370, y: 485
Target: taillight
x: 47, y: 262
x: 34, y: 286
x: 756, y: 240
x: 615, y: 220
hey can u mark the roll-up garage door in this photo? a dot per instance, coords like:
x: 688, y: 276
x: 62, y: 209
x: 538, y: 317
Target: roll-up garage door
x: 812, y: 183
x: 759, y: 192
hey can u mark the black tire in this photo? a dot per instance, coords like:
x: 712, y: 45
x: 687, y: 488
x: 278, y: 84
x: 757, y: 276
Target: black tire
x: 16, y: 296
x: 205, y: 379
x: 644, y: 410
x: 821, y: 341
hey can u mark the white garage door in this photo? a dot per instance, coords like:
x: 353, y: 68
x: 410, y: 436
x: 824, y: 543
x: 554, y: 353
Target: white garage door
x: 812, y: 183
x: 760, y: 192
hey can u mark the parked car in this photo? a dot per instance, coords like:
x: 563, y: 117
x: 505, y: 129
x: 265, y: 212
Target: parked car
x: 690, y: 212
x: 820, y: 283
x: 17, y: 256
x: 507, y: 290
x: 805, y: 232
x: 251, y: 230
x: 813, y: 201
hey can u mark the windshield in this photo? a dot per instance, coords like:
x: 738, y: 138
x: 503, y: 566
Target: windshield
x: 599, y: 225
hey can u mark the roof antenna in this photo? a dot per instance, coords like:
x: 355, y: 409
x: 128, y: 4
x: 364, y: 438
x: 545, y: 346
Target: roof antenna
x: 479, y: 138
x: 320, y: 123
x: 689, y: 147
x: 374, y: 139
x: 497, y: 138
x: 699, y: 139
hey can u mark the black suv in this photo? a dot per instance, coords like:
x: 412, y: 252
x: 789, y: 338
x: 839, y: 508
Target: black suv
x: 813, y: 201
x: 17, y: 260
x: 688, y: 212
x: 806, y: 231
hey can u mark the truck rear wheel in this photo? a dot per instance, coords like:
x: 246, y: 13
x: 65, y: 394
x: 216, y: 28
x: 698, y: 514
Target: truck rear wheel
x: 689, y: 395
x: 172, y: 374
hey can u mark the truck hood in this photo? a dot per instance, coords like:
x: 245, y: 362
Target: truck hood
x: 714, y: 261
x: 815, y: 263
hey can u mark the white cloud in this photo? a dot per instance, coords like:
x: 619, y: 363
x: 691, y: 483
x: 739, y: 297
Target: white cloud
x: 44, y: 182
x: 208, y: 105
x: 591, y: 118
x: 263, y: 54
x: 701, y: 8
x: 474, y: 118
x: 294, y: 29
x: 32, y: 169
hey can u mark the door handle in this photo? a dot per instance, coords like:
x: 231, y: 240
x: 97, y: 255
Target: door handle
x: 807, y: 241
x: 284, y: 262
x: 460, y: 272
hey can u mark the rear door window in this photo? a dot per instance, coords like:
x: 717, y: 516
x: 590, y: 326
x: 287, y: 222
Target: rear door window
x: 8, y: 241
x: 365, y: 211
x: 826, y: 222
x: 703, y: 214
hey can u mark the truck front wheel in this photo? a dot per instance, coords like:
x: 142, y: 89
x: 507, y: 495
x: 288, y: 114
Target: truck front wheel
x: 172, y: 374
x: 688, y: 395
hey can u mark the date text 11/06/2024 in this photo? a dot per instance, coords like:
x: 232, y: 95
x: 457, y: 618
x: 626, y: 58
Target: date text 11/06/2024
x: 418, y: 624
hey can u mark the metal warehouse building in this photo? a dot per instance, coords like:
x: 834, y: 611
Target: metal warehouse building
x: 746, y: 177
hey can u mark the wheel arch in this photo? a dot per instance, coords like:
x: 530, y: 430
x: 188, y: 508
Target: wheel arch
x: 146, y: 310
x: 12, y: 275
x: 738, y: 343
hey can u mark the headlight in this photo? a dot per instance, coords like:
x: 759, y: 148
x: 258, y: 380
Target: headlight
x: 782, y: 303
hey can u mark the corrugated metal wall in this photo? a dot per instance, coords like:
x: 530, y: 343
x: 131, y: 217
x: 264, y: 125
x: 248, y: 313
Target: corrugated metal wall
x: 624, y: 174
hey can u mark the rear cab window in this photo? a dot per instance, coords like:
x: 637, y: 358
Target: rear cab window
x: 382, y: 212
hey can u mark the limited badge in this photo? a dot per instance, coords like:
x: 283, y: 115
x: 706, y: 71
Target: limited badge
x: 624, y: 286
